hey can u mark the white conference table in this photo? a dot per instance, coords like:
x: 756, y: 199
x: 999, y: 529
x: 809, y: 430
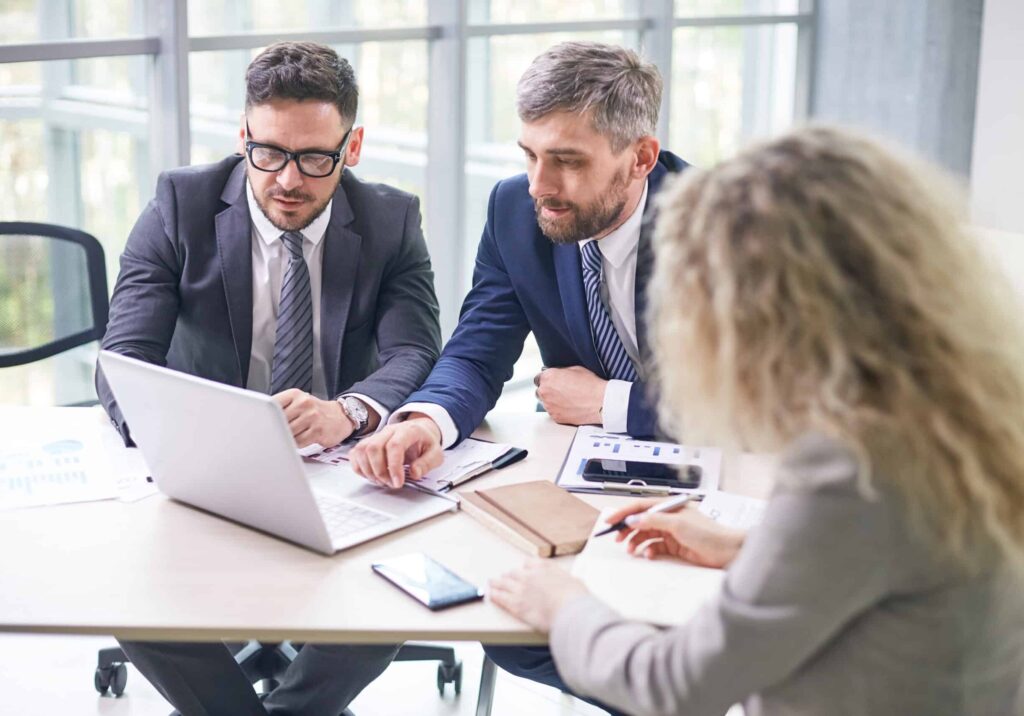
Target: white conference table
x: 157, y: 569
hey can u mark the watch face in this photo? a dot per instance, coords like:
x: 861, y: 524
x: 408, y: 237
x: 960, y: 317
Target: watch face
x: 356, y: 410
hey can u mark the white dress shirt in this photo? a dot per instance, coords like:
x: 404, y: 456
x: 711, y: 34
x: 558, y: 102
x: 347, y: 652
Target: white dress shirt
x: 269, y: 263
x: 618, y: 292
x: 618, y: 264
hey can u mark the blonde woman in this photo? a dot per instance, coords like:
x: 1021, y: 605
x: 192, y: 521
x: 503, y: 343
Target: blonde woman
x: 829, y: 308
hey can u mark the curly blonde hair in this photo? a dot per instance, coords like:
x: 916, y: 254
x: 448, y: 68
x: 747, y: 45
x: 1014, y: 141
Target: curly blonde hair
x: 821, y: 281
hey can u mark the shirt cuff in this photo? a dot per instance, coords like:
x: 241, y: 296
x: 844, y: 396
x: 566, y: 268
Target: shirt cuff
x: 615, y: 408
x: 449, y: 433
x: 383, y: 412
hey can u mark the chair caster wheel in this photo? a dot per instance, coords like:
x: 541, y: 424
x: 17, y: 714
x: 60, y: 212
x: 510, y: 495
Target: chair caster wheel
x: 101, y: 680
x: 113, y: 677
x: 449, y: 674
x: 119, y: 680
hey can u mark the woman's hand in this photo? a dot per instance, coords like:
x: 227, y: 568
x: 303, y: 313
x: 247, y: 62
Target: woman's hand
x: 687, y: 534
x: 535, y: 592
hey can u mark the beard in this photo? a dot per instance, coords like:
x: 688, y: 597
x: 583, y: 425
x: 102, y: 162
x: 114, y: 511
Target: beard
x: 582, y: 222
x: 295, y: 221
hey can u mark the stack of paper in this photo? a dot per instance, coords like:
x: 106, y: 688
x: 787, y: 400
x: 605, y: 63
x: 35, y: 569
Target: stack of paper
x: 463, y: 462
x: 53, y: 473
x: 733, y: 510
x: 659, y: 591
x: 594, y: 443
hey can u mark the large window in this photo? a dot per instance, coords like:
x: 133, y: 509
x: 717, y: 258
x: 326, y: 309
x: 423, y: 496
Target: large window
x: 98, y: 96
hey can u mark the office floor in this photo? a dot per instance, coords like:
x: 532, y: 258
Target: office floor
x: 53, y: 675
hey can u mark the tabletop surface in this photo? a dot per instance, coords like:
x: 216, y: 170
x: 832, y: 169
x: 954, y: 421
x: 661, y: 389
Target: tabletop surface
x: 158, y: 569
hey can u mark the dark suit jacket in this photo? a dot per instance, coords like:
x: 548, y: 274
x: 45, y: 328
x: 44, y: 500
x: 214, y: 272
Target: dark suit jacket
x: 523, y: 282
x: 184, y: 294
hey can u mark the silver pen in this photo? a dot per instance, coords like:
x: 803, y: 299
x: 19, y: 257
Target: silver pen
x: 664, y: 506
x: 428, y: 491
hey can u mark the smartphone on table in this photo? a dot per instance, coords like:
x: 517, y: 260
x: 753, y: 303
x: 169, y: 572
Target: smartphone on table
x: 637, y: 472
x: 427, y: 581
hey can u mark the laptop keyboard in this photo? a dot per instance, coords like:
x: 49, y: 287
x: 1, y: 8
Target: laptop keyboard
x: 343, y: 517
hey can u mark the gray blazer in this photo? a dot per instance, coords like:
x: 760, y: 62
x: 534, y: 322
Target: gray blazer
x: 184, y: 294
x: 833, y: 606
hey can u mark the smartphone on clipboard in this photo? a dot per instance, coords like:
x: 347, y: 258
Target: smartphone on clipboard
x: 427, y: 581
x: 686, y: 477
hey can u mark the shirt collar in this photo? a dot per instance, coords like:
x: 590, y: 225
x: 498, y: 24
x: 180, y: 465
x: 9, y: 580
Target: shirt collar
x: 617, y: 246
x: 270, y: 233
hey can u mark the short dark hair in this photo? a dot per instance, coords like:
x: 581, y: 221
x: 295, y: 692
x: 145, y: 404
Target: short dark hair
x: 302, y: 71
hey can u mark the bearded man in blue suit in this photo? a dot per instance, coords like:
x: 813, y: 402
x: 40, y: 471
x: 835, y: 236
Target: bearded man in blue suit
x: 565, y: 254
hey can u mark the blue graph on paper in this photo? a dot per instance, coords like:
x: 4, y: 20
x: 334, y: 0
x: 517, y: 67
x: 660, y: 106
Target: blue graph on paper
x: 594, y: 443
x: 52, y: 473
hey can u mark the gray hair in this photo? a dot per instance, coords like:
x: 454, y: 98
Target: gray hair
x: 622, y: 89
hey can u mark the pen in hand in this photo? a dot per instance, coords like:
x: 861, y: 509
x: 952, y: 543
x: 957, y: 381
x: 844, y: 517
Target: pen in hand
x: 665, y: 506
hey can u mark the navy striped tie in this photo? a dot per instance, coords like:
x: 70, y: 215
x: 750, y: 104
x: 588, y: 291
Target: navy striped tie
x: 614, y: 359
x: 293, y: 342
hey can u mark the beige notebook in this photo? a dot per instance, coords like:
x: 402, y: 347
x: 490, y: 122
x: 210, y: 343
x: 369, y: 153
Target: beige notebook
x: 538, y: 516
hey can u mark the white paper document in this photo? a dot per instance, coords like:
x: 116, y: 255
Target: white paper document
x: 660, y: 591
x: 463, y: 462
x: 733, y: 510
x: 52, y: 473
x: 126, y: 465
x: 592, y: 442
x: 337, y: 455
x: 132, y: 475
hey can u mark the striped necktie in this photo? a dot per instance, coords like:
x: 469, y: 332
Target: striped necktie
x: 614, y: 359
x: 293, y: 341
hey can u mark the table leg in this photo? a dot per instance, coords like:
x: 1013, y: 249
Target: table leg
x: 485, y: 697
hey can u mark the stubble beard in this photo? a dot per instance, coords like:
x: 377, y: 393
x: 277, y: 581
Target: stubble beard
x: 582, y: 223
x: 292, y: 223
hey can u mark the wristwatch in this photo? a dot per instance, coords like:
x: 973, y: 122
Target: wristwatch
x: 356, y: 411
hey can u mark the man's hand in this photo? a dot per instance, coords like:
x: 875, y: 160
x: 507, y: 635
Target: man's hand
x: 572, y: 396
x: 313, y: 420
x: 381, y: 459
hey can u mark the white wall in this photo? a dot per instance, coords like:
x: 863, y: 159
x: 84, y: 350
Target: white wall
x: 1006, y: 250
x: 997, y: 164
x: 905, y: 69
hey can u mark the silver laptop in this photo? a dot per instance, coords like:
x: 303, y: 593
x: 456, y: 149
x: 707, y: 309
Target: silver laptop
x: 229, y: 451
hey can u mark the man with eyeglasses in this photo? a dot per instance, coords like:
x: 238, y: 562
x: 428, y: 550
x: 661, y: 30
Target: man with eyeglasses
x: 278, y: 271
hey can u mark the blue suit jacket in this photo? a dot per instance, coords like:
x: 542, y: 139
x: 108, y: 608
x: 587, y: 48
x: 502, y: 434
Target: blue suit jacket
x: 523, y: 282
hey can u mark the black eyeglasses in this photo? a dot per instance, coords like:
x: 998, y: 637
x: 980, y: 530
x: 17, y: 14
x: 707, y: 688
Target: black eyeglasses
x: 268, y: 158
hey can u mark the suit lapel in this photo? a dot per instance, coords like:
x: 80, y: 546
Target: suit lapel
x: 645, y: 264
x: 234, y: 246
x: 340, y: 262
x: 569, y: 274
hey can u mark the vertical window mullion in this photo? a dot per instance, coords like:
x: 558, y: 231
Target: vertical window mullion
x: 803, y: 97
x: 446, y: 156
x: 657, y: 46
x: 170, y: 141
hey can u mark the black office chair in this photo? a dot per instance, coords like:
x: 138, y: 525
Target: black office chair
x: 53, y: 280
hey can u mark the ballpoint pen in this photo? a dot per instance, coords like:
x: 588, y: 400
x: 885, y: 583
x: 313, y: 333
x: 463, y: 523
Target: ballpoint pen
x: 665, y: 506
x: 420, y: 488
